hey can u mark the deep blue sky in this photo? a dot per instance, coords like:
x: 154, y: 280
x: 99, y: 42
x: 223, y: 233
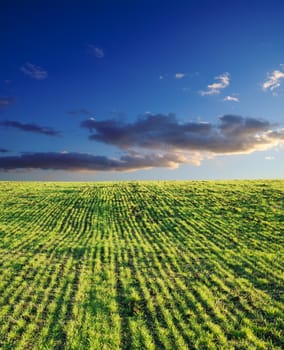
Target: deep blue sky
x: 167, y: 89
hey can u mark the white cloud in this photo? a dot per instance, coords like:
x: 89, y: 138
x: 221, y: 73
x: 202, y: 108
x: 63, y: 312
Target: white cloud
x: 269, y: 158
x: 97, y: 51
x: 231, y: 98
x: 180, y: 75
x: 273, y: 80
x: 34, y: 71
x: 215, y: 88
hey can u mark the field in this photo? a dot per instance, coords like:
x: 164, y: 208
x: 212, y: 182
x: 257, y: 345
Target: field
x: 142, y: 265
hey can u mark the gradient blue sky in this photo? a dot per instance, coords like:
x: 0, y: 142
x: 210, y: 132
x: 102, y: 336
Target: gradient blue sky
x: 115, y: 90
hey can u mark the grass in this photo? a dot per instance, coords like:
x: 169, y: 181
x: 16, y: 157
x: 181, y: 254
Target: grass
x: 142, y: 265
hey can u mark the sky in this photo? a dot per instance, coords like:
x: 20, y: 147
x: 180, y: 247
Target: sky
x: 141, y: 90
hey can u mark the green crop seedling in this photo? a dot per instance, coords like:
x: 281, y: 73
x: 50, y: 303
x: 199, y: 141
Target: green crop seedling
x: 142, y: 265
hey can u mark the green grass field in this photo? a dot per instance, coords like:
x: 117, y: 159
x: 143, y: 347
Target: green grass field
x: 142, y: 265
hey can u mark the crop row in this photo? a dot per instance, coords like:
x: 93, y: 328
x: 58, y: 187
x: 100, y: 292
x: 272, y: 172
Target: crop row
x: 142, y: 265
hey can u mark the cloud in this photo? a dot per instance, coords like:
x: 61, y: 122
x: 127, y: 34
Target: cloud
x: 157, y: 141
x: 215, y: 88
x: 179, y: 75
x: 3, y: 150
x: 273, y: 80
x: 231, y: 98
x: 79, y: 112
x: 269, y: 158
x: 232, y: 135
x: 29, y: 127
x: 87, y: 162
x: 5, y: 101
x: 97, y: 51
x: 34, y: 71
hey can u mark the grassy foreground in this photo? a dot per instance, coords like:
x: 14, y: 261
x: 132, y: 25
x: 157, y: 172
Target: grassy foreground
x: 142, y: 265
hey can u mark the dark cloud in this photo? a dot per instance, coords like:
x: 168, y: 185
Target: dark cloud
x: 79, y: 112
x: 153, y: 141
x: 87, y: 162
x: 34, y: 71
x: 235, y: 125
x: 277, y: 135
x: 3, y: 150
x: 5, y: 101
x: 150, y: 131
x: 233, y: 134
x: 30, y: 127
